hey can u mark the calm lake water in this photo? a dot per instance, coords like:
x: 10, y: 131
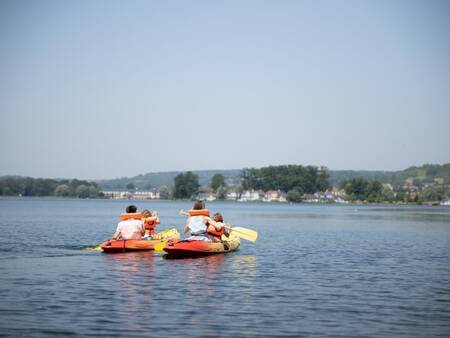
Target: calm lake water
x: 316, y: 270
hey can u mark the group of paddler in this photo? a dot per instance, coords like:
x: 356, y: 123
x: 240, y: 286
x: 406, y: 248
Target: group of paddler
x: 206, y: 234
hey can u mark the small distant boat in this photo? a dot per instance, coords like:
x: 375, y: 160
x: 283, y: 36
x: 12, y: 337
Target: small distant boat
x: 446, y: 202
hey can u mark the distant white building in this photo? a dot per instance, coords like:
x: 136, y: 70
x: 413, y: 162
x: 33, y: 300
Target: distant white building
x: 251, y: 196
x: 274, y: 196
x: 446, y: 202
x: 145, y: 195
x: 117, y: 195
x: 138, y: 195
x: 232, y: 196
x: 207, y: 196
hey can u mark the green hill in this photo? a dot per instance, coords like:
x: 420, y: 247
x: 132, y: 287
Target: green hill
x: 427, y: 173
x: 155, y: 180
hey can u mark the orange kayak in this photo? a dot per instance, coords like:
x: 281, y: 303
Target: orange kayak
x: 201, y: 248
x: 113, y: 246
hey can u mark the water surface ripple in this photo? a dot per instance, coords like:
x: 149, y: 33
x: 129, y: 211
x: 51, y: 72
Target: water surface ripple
x: 325, y: 271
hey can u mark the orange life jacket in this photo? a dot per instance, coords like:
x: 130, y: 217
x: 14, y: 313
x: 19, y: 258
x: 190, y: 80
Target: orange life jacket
x: 211, y: 230
x: 202, y: 212
x: 133, y: 215
x: 150, y: 225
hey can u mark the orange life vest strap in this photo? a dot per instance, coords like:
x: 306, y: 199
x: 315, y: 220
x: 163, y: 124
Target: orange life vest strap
x: 134, y: 215
x: 213, y: 232
x: 202, y: 212
x: 150, y: 223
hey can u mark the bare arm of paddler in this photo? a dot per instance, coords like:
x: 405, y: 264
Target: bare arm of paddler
x: 151, y: 219
x: 217, y: 225
x: 186, y: 226
x: 116, y: 234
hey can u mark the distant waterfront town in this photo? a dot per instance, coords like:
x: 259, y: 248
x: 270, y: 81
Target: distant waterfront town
x: 427, y: 185
x: 334, y: 195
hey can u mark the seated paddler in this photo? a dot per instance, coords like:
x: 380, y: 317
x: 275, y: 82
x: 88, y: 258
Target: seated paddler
x: 131, y: 225
x: 216, y: 228
x: 150, y: 219
x: 198, y: 222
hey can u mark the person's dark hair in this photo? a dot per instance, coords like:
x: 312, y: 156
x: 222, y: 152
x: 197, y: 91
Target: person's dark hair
x: 131, y: 209
x: 199, y: 205
x: 146, y: 213
x: 219, y: 217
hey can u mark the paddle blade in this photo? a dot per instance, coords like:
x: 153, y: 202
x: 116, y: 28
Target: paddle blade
x: 93, y: 248
x: 181, y: 212
x: 160, y: 246
x: 98, y: 248
x: 248, y: 234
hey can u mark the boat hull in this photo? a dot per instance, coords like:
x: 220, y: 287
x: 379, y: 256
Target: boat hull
x: 115, y: 246
x: 201, y: 248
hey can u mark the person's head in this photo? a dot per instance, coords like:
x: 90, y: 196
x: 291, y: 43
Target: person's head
x: 131, y: 209
x: 199, y: 205
x: 218, y: 217
x: 146, y: 213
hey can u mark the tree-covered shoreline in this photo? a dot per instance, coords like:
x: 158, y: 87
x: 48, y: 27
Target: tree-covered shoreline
x: 426, y: 184
x: 40, y: 187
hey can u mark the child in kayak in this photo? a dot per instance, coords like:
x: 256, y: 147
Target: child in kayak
x: 198, y: 222
x: 216, y: 228
x: 131, y: 226
x: 151, y: 219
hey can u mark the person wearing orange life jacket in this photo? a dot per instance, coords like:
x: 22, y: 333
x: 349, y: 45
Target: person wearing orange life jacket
x: 216, y: 228
x: 131, y: 225
x: 151, y: 219
x: 198, y: 222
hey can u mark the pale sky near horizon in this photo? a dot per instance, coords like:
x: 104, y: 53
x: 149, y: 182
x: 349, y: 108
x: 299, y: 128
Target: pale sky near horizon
x: 104, y: 89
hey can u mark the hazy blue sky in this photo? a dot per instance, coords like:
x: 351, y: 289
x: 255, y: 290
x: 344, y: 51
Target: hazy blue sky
x: 102, y: 89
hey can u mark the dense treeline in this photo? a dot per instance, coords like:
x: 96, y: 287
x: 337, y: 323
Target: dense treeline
x: 185, y: 185
x: 363, y: 190
x: 373, y: 191
x: 27, y: 186
x: 301, y: 179
x: 422, y: 176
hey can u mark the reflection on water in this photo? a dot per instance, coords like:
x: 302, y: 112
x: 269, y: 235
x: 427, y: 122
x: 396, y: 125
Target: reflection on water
x: 361, y: 271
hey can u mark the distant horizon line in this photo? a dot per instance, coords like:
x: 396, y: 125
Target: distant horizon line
x: 206, y: 170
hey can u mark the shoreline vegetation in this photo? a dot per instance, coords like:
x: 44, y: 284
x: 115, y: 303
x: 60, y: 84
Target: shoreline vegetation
x: 428, y: 184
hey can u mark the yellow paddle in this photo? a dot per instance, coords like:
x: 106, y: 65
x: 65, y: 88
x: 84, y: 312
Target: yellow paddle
x: 98, y: 248
x: 248, y: 234
x: 93, y: 248
x: 160, y: 246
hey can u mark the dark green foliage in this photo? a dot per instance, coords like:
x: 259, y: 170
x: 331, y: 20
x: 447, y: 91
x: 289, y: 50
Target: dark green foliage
x: 164, y: 192
x: 27, y: 186
x: 295, y: 195
x: 307, y: 179
x: 338, y: 176
x: 221, y: 192
x: 185, y: 185
x: 420, y: 175
x: 216, y: 181
x: 363, y: 190
x: 434, y: 193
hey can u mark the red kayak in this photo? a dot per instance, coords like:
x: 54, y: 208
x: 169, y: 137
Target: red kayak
x: 201, y: 248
